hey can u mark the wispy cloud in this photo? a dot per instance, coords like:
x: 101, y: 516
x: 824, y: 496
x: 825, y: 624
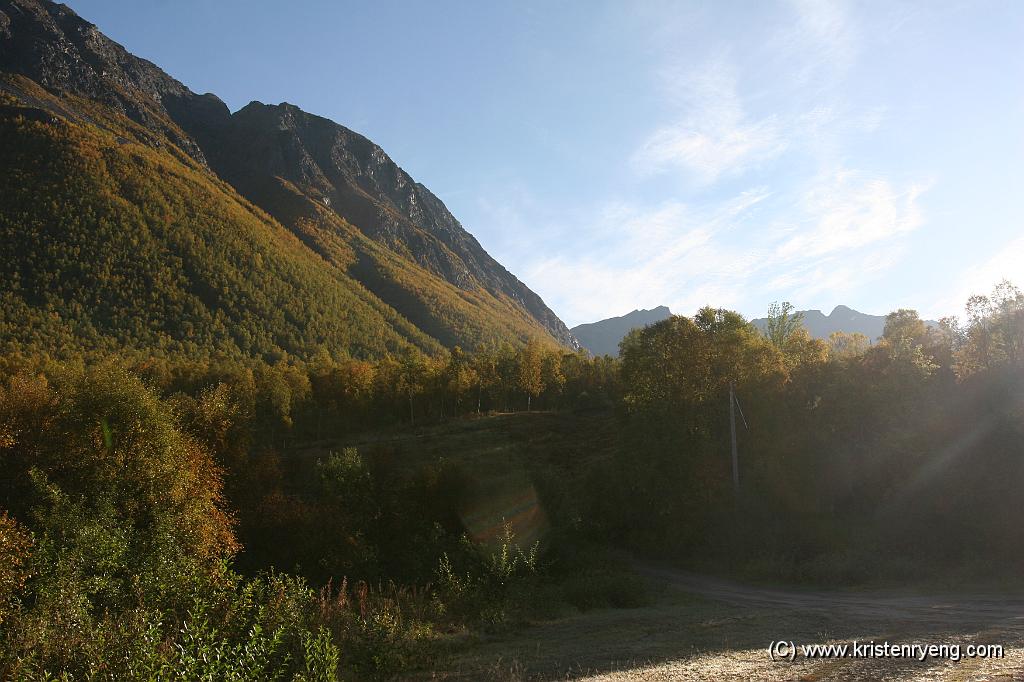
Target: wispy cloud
x: 717, y: 134
x: 824, y: 36
x: 844, y: 211
x: 834, y: 277
x: 846, y: 230
x: 714, y: 137
x: 818, y: 224
x: 667, y: 254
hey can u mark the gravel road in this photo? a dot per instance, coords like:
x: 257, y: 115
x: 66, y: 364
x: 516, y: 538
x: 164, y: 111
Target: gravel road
x: 841, y: 617
x: 704, y: 628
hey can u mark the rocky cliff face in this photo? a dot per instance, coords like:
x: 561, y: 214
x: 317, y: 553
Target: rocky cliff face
x: 357, y: 180
x: 258, y: 146
x: 62, y: 52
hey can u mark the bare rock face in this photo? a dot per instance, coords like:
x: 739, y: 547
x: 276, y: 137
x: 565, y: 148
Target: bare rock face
x: 65, y: 54
x: 341, y: 169
x: 358, y: 181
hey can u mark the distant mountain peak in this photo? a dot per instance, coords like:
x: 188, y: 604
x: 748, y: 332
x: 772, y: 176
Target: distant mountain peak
x: 841, y: 319
x: 845, y: 313
x: 603, y: 337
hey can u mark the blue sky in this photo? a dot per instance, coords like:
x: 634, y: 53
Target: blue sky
x: 626, y: 155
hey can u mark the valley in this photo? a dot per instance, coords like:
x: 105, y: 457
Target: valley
x: 270, y: 411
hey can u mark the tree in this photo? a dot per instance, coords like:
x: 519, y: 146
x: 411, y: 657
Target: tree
x: 782, y: 324
x: 485, y: 369
x: 412, y: 380
x: 845, y: 346
x: 994, y: 335
x: 904, y: 324
x: 125, y: 505
x: 529, y: 377
x: 459, y: 376
x: 681, y: 362
x: 552, y: 377
x: 508, y: 372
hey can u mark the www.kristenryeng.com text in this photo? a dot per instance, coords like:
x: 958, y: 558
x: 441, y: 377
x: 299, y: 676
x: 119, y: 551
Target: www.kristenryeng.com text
x: 787, y: 650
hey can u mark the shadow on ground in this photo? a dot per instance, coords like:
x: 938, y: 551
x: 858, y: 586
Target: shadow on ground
x: 708, y: 629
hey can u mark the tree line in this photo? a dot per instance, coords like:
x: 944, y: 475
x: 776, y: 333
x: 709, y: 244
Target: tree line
x: 148, y: 506
x: 148, y: 503
x: 906, y: 448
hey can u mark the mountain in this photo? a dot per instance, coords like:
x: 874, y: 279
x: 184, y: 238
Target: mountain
x: 138, y: 212
x: 841, y: 319
x: 602, y: 338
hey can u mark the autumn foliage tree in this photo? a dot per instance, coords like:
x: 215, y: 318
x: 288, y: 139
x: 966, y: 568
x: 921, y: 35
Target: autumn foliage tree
x: 111, y: 485
x: 529, y: 373
x: 866, y: 448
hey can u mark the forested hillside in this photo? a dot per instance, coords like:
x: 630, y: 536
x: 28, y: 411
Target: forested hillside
x: 124, y: 208
x: 112, y: 244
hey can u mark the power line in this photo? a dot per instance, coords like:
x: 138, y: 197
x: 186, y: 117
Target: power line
x: 734, y: 404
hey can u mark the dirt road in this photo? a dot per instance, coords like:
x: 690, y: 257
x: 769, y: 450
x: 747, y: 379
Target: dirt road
x: 703, y: 628
x: 962, y: 610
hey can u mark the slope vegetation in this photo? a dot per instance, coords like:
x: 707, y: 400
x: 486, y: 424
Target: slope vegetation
x: 112, y: 243
x: 142, y: 213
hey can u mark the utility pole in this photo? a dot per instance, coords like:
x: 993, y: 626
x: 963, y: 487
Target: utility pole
x: 734, y: 405
x: 735, y: 454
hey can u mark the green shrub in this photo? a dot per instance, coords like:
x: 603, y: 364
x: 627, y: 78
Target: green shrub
x: 264, y: 629
x: 384, y: 630
x: 15, y: 549
x: 478, y: 584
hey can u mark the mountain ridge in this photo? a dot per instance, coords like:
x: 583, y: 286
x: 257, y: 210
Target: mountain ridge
x: 337, y: 191
x: 841, y: 319
x: 603, y: 337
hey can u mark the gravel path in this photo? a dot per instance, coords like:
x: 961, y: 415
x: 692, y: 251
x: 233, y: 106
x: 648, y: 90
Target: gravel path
x: 963, y: 610
x: 881, y: 616
x: 703, y: 628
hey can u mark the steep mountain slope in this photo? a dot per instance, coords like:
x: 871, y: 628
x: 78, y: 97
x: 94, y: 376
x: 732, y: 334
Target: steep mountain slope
x: 306, y: 170
x: 603, y: 337
x: 361, y: 222
x: 109, y: 244
x: 53, y: 46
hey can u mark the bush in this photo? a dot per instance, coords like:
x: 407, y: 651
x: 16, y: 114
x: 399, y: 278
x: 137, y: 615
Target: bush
x: 15, y: 548
x: 265, y: 629
x: 384, y: 630
x: 479, y: 585
x: 127, y: 576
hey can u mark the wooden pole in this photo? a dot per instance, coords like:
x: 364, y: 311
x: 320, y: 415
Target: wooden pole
x: 735, y: 454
